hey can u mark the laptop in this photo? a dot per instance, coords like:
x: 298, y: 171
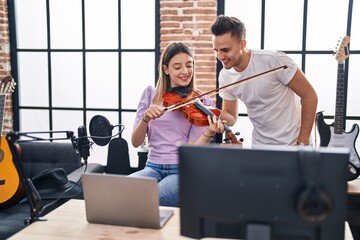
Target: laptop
x: 122, y: 200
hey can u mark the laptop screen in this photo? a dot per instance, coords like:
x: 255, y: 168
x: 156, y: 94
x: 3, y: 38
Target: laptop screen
x: 121, y: 200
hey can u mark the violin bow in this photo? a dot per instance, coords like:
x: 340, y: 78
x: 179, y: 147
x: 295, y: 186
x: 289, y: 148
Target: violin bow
x: 217, y: 90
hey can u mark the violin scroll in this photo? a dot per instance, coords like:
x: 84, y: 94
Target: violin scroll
x: 231, y: 138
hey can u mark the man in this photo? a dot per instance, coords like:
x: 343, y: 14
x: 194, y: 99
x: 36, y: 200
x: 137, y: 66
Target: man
x: 281, y: 106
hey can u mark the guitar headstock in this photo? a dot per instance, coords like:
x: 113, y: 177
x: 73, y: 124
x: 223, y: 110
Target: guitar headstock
x: 342, y: 49
x: 7, y: 85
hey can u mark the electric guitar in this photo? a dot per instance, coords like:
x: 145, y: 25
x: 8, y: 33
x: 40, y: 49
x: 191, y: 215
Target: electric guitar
x: 11, y: 188
x: 334, y: 135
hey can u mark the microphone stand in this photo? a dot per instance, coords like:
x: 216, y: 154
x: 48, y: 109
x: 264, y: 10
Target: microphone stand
x: 32, y: 194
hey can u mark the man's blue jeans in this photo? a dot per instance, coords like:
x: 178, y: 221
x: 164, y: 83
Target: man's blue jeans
x: 168, y: 181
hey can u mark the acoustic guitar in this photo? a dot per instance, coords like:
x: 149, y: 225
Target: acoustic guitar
x: 11, y: 188
x: 334, y: 135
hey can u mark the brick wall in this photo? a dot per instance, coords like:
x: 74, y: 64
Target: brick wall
x: 7, y: 115
x: 189, y: 22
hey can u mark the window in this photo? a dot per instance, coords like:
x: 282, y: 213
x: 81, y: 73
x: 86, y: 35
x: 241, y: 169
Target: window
x: 310, y: 40
x: 75, y: 59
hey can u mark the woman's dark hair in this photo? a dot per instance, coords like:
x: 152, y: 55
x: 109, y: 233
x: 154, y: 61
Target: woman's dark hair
x: 224, y: 24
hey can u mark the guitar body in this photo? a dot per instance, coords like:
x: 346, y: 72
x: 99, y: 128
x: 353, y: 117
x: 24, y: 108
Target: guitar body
x: 323, y: 129
x: 328, y: 138
x: 11, y: 188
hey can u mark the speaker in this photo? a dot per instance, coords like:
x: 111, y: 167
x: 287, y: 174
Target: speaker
x: 314, y: 204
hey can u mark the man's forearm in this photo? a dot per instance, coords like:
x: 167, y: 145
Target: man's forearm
x: 308, y: 112
x: 228, y: 117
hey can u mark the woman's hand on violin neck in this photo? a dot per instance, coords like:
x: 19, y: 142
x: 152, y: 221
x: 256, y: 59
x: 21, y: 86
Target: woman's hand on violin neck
x: 215, y: 125
x: 153, y: 112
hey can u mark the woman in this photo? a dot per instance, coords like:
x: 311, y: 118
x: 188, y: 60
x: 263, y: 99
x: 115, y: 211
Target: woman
x: 165, y: 131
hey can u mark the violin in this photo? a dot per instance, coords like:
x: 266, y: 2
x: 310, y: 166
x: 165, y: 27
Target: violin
x: 193, y: 114
x: 197, y: 112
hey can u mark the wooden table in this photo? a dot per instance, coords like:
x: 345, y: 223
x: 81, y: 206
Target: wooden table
x: 69, y: 222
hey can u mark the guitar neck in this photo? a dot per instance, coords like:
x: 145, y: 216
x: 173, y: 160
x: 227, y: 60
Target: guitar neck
x: 340, y: 100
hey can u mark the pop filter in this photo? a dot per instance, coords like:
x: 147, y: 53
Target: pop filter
x: 100, y: 130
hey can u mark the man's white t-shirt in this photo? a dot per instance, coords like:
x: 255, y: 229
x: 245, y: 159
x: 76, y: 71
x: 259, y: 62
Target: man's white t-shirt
x: 273, y: 108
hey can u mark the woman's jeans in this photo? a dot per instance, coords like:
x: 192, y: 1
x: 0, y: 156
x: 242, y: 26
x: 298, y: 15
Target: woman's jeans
x: 168, y: 181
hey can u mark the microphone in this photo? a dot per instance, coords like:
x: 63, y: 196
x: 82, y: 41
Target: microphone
x: 83, y: 144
